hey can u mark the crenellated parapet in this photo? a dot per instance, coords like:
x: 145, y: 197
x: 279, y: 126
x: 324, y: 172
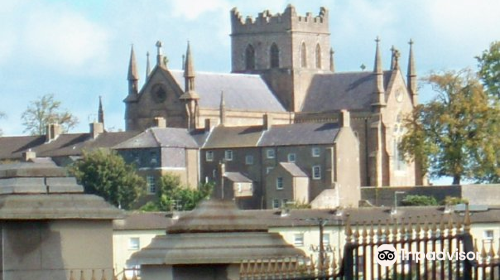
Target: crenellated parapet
x: 288, y: 20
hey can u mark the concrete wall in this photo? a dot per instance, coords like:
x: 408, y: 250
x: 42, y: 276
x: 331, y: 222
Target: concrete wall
x: 385, y: 195
x: 48, y: 250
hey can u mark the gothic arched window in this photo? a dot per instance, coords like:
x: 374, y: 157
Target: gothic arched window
x: 303, y: 55
x: 275, y: 56
x: 318, y: 56
x: 250, y: 58
x: 399, y: 161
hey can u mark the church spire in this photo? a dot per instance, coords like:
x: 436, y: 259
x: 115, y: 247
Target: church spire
x: 412, y: 76
x: 332, y: 61
x: 188, y: 70
x: 379, y: 96
x: 133, y: 76
x: 148, y: 66
x: 100, y: 113
x: 222, y: 109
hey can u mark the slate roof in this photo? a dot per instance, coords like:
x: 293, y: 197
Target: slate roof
x: 237, y: 177
x: 337, y: 91
x: 293, y: 169
x: 233, y: 137
x: 160, y: 137
x: 144, y: 221
x: 300, y: 134
x: 69, y: 144
x: 41, y: 191
x: 241, y: 91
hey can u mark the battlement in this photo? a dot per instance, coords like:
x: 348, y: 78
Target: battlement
x: 286, y: 21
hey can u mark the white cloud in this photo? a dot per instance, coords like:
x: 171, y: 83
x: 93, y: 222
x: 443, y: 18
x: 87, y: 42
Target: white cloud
x: 192, y: 9
x: 60, y: 37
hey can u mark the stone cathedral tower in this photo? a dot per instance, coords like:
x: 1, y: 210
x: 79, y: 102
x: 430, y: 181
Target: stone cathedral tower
x: 286, y: 49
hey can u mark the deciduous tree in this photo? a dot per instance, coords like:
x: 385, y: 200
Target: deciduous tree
x: 106, y: 174
x: 43, y: 111
x: 489, y: 69
x: 455, y: 134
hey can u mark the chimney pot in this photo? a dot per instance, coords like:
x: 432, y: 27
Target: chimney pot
x: 345, y: 118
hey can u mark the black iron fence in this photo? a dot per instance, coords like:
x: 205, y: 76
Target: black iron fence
x: 427, y: 248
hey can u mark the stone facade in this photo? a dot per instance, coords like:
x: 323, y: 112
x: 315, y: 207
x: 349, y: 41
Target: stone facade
x: 285, y: 62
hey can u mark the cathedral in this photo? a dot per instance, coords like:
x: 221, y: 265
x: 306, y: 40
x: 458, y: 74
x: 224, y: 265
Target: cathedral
x: 283, y: 68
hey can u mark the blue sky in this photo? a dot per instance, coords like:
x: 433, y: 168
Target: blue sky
x: 79, y: 50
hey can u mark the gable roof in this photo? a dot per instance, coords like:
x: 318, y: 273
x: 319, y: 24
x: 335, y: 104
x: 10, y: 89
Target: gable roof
x: 337, y: 91
x: 293, y: 169
x: 237, y: 177
x: 156, y: 137
x: 68, y: 144
x: 241, y: 91
x: 300, y: 134
x: 237, y: 137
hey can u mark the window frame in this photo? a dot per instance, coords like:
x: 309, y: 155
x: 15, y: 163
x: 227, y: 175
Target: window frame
x: 209, y: 156
x: 151, y: 183
x: 226, y: 155
x: 294, y: 157
x: 134, y: 246
x: 270, y: 153
x: 249, y: 159
x: 313, y: 173
x: 279, y: 183
x: 275, y: 203
x: 315, y: 152
x: 298, y: 239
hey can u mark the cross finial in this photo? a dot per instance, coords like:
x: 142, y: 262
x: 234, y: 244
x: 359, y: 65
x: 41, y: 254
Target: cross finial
x: 411, y: 42
x: 377, y: 39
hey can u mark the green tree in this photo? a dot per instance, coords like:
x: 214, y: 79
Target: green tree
x: 172, y: 194
x: 106, y: 174
x: 489, y: 69
x: 44, y: 111
x: 455, y: 134
x: 419, y: 200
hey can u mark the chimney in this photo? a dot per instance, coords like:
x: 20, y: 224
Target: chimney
x: 208, y: 125
x: 267, y: 121
x: 160, y: 122
x: 345, y: 118
x: 29, y: 155
x: 53, y: 131
x: 96, y: 128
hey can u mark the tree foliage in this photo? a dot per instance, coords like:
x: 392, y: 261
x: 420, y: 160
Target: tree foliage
x: 489, y: 69
x: 173, y: 195
x: 106, y: 174
x: 44, y: 111
x: 419, y: 200
x: 455, y: 134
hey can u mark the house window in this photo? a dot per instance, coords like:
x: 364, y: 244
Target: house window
x: 316, y: 172
x: 209, y: 155
x: 315, y: 152
x: 214, y: 173
x: 250, y: 58
x: 154, y: 158
x: 268, y: 169
x: 151, y: 181
x: 238, y: 187
x: 270, y: 153
x: 134, y: 243
x: 326, y: 239
x: 298, y: 239
x: 488, y: 236
x: 279, y: 183
x: 276, y: 203
x: 275, y: 56
x: 228, y: 155
x: 249, y: 160
x: 291, y: 157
